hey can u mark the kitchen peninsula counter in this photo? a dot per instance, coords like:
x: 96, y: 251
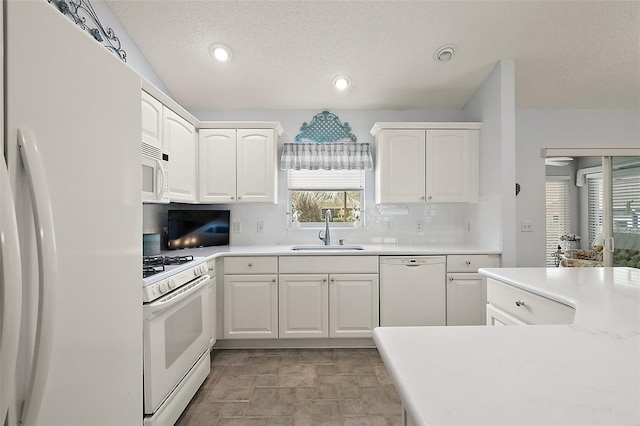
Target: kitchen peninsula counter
x: 587, y: 372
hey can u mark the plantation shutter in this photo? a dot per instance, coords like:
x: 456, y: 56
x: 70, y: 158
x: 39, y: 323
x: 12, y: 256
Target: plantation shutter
x: 557, y: 219
x: 595, y: 205
x: 326, y: 180
x: 626, y: 201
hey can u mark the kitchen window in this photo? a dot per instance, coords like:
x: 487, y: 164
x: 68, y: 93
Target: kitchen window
x: 312, y: 192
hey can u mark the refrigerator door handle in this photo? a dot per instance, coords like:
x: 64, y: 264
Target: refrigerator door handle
x: 11, y: 269
x: 47, y: 274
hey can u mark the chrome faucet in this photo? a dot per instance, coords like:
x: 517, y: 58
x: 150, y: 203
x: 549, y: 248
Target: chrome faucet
x: 327, y: 235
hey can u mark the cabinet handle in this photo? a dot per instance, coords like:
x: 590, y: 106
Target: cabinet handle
x: 333, y: 280
x: 519, y: 303
x: 422, y: 198
x: 239, y: 197
x: 450, y: 278
x: 250, y: 265
x: 430, y: 197
x: 273, y: 280
x: 233, y: 198
x: 324, y: 280
x: 468, y: 262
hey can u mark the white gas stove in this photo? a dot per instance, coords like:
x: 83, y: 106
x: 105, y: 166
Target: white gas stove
x: 164, y: 274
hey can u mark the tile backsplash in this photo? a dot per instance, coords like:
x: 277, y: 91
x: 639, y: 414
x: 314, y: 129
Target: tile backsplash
x: 437, y: 223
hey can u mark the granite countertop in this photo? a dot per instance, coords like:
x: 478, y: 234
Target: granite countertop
x: 587, y: 372
x: 368, y: 250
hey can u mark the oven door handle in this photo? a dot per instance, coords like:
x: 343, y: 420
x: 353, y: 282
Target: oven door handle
x: 165, y: 302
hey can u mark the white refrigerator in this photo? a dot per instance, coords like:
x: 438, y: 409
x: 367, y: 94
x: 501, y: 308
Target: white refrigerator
x: 70, y: 226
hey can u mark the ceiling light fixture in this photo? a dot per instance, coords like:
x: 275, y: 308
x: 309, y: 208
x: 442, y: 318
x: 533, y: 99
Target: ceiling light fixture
x: 221, y: 52
x: 558, y: 161
x: 444, y: 53
x: 341, y: 82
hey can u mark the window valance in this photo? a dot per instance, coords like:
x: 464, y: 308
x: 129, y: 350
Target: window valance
x: 326, y: 156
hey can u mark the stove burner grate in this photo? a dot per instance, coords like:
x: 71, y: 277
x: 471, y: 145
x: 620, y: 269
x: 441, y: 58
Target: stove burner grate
x: 154, y: 264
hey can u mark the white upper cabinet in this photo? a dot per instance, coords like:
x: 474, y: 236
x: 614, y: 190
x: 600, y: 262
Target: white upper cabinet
x: 183, y: 142
x: 400, y: 166
x: 256, y: 177
x: 152, y: 122
x: 217, y: 166
x: 238, y: 165
x: 426, y: 162
x: 452, y: 166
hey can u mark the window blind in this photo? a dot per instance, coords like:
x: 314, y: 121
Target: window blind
x: 626, y: 201
x: 595, y: 206
x: 326, y: 180
x: 557, y: 213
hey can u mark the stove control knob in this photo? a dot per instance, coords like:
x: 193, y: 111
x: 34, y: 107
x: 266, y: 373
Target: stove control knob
x: 163, y: 287
x: 172, y: 283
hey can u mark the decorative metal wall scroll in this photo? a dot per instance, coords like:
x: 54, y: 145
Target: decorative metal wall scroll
x: 81, y: 11
x: 325, y: 127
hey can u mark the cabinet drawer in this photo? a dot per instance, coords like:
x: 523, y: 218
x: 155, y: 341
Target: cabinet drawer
x: 328, y: 264
x: 471, y: 262
x: 251, y: 265
x: 532, y: 308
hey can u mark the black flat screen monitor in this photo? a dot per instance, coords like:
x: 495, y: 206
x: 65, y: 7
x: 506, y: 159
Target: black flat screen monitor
x: 198, y: 228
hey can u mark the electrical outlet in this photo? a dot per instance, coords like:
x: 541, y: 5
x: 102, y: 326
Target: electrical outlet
x: 526, y: 226
x: 237, y: 227
x: 419, y: 226
x: 389, y: 225
x: 260, y: 227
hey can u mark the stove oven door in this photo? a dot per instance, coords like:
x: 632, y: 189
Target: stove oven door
x: 176, y: 334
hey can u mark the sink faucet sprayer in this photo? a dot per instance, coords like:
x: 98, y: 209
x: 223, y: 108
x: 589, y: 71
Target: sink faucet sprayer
x: 327, y: 235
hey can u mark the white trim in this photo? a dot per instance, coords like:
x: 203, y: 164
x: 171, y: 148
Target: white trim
x: 423, y: 125
x: 557, y: 178
x: 590, y: 152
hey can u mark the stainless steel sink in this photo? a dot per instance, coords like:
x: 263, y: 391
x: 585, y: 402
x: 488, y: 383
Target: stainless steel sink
x: 323, y: 248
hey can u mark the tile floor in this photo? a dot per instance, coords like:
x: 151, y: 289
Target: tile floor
x: 295, y: 387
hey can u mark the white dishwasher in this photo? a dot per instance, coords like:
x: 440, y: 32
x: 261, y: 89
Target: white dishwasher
x: 413, y: 290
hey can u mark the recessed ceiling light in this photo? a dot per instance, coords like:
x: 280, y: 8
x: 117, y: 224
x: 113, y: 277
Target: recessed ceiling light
x: 221, y: 52
x: 341, y: 82
x: 444, y: 53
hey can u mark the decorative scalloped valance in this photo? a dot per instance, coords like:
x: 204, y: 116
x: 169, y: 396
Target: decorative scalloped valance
x: 325, y: 143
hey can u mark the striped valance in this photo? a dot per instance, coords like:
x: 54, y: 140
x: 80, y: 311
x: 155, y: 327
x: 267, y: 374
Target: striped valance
x: 326, y: 156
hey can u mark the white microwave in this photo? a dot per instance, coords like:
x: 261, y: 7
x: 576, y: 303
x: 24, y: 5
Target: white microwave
x: 155, y: 175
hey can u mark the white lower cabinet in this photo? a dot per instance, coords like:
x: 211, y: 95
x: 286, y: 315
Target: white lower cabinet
x: 251, y: 306
x: 304, y: 306
x: 511, y: 305
x: 466, y: 299
x: 353, y: 305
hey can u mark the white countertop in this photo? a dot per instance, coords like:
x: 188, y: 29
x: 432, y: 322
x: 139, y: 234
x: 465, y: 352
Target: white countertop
x: 584, y: 373
x: 369, y: 249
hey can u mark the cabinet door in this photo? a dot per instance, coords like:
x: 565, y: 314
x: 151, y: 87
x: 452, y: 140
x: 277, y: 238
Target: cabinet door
x: 466, y: 299
x: 304, y: 305
x: 353, y: 305
x: 257, y: 177
x: 250, y: 306
x: 452, y: 166
x: 400, y: 166
x: 183, y: 141
x: 217, y: 166
x: 152, y: 122
x: 497, y: 317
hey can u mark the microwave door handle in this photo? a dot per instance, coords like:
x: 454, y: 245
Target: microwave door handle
x: 160, y: 189
x: 47, y: 275
x: 11, y: 279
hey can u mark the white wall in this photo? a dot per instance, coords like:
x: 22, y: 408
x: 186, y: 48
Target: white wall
x: 135, y: 58
x: 494, y: 105
x: 538, y: 129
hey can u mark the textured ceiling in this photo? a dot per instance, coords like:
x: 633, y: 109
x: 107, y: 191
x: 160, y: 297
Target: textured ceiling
x: 574, y: 54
